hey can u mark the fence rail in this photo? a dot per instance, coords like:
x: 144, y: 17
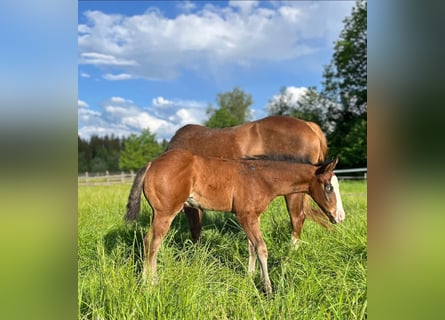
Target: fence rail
x: 360, y: 173
x: 105, y: 178
x: 128, y: 177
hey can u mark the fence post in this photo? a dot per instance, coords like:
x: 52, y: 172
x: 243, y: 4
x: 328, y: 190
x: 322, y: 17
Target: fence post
x: 122, y: 177
x: 132, y: 174
x: 86, y: 177
x: 107, y: 177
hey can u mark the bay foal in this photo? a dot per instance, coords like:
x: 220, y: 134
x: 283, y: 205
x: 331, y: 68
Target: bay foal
x: 245, y: 187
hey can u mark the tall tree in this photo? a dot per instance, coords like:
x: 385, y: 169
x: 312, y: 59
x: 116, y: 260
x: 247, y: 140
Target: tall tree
x: 99, y: 153
x: 234, y: 109
x: 303, y: 103
x: 345, y: 86
x: 281, y: 104
x: 138, y: 150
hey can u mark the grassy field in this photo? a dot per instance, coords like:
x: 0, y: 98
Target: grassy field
x: 324, y: 279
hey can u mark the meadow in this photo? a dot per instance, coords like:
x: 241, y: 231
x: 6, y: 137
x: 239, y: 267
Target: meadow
x: 324, y: 279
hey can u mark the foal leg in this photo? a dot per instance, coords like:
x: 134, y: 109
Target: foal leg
x: 152, y: 242
x: 250, y: 224
x: 252, y: 257
x: 194, y: 217
x: 295, y: 204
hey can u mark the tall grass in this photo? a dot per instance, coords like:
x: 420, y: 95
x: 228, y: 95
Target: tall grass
x: 324, y: 279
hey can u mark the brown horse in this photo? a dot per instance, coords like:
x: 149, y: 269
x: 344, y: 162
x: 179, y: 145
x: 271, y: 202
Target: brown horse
x: 245, y: 187
x: 271, y: 135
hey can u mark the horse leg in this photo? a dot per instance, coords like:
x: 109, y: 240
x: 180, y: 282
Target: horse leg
x: 194, y: 217
x: 152, y: 242
x: 252, y: 257
x: 251, y: 226
x: 295, y: 205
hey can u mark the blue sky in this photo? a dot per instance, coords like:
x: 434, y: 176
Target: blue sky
x: 158, y: 64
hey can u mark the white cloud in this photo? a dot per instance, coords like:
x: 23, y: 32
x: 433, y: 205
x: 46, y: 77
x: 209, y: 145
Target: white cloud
x: 85, y: 75
x: 160, y: 101
x: 291, y: 95
x: 244, y: 6
x: 120, y: 76
x: 120, y: 100
x: 186, y: 6
x: 121, y: 117
x: 82, y: 104
x: 156, y: 47
x: 105, y: 59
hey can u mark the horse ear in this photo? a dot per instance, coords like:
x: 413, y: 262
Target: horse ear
x: 328, y: 166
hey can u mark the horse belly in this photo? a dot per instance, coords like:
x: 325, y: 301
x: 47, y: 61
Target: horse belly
x: 209, y: 202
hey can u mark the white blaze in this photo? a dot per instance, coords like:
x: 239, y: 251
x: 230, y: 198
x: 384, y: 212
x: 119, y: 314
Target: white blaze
x: 340, y: 214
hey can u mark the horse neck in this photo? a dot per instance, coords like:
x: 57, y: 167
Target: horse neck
x: 287, y: 178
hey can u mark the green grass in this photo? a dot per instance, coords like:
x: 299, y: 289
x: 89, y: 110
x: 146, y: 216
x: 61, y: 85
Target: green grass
x: 324, y: 279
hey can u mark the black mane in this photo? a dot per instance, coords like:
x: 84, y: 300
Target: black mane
x: 278, y: 157
x: 284, y: 158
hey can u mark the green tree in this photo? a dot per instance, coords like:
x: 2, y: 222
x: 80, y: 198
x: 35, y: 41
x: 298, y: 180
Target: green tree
x: 309, y: 106
x: 345, y: 86
x: 138, y: 150
x: 83, y: 155
x: 282, y: 104
x: 234, y: 109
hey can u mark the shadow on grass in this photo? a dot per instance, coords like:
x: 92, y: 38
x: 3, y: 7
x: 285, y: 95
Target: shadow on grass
x: 131, y: 235
x: 220, y: 231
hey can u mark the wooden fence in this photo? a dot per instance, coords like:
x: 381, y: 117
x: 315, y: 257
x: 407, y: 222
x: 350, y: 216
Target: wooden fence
x: 128, y: 177
x: 105, y: 178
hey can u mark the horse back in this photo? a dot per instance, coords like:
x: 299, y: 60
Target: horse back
x: 292, y: 136
x: 227, y: 143
x: 270, y: 135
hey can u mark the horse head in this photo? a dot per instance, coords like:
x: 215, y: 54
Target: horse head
x: 324, y: 189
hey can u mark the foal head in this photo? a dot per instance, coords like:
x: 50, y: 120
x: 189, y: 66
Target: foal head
x: 323, y: 191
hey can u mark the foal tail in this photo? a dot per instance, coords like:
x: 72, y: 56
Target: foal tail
x: 134, y: 199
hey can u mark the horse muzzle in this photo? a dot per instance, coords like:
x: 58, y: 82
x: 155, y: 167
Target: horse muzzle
x: 331, y: 218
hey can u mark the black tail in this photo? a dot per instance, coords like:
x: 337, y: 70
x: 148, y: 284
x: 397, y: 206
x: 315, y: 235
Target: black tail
x: 134, y: 199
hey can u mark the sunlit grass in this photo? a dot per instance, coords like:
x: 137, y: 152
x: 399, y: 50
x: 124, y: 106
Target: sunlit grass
x: 324, y: 279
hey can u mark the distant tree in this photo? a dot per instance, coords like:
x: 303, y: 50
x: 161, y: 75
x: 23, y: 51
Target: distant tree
x: 99, y: 154
x: 234, y: 109
x: 282, y: 104
x: 83, y: 155
x: 138, y: 150
x: 311, y: 107
x: 306, y: 104
x: 164, y: 144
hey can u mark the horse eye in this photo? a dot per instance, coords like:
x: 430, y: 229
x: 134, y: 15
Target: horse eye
x: 328, y: 187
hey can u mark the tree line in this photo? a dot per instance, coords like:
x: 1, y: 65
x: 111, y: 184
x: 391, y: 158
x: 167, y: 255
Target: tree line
x: 113, y: 154
x: 340, y: 108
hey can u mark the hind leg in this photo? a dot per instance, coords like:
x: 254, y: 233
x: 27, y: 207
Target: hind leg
x: 152, y: 242
x: 194, y: 217
x: 295, y: 206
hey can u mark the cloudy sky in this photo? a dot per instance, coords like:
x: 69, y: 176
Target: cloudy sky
x: 158, y: 64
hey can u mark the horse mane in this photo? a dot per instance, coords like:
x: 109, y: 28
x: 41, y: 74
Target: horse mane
x: 283, y: 158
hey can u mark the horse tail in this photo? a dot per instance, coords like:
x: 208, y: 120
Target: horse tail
x: 322, y: 139
x: 316, y: 214
x: 134, y: 199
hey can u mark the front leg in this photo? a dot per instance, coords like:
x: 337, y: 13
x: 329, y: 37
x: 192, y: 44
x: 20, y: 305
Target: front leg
x: 295, y: 207
x: 250, y: 224
x: 194, y: 218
